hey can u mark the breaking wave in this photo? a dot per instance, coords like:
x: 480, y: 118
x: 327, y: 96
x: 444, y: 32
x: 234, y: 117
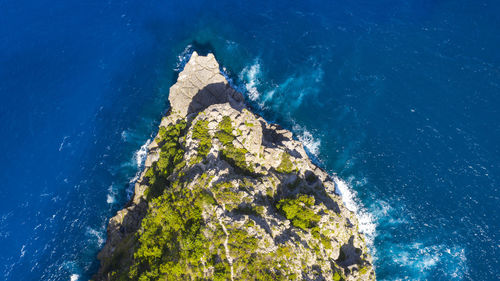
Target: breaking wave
x: 311, y: 143
x: 97, y: 235
x: 287, y: 94
x: 111, y: 196
x: 183, y: 58
x: 366, y: 220
x: 251, y: 74
x: 140, y: 157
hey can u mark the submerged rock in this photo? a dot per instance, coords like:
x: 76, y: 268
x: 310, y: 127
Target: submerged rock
x: 227, y: 196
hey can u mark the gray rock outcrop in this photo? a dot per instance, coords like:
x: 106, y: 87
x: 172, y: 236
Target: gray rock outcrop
x: 246, y: 189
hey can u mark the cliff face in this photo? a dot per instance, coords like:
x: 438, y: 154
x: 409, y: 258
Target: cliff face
x: 227, y: 196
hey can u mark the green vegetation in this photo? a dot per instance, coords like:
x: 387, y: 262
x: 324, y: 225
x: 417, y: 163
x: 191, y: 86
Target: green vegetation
x: 250, y: 264
x: 363, y: 270
x: 171, y: 158
x: 337, y: 277
x: 171, y: 243
x: 174, y: 242
x: 224, y: 137
x: 323, y: 239
x: 200, y: 132
x: 225, y: 194
x: 286, y: 165
x: 181, y: 236
x: 225, y: 132
x: 225, y: 125
x: 235, y: 156
x: 298, y: 210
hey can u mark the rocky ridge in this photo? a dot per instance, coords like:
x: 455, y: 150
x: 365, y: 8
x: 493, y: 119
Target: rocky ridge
x: 227, y: 196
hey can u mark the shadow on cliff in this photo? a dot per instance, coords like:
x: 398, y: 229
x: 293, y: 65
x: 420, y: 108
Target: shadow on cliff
x: 216, y: 93
x: 293, y: 184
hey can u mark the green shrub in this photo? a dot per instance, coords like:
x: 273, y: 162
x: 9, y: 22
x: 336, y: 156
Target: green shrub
x: 200, y: 132
x: 225, y: 194
x: 363, y: 270
x: 225, y: 125
x: 171, y: 242
x: 236, y: 157
x: 286, y: 165
x: 224, y: 137
x: 225, y: 133
x: 170, y: 158
x: 337, y: 277
x: 298, y: 210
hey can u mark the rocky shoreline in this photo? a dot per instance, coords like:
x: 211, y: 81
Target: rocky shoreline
x: 227, y: 196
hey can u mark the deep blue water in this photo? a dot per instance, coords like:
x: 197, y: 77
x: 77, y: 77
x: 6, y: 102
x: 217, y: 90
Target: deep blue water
x: 400, y: 99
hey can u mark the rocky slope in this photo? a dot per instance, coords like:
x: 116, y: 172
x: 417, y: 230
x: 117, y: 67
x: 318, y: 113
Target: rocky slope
x: 227, y: 196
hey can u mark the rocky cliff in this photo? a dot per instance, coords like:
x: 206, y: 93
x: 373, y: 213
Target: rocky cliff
x: 227, y: 196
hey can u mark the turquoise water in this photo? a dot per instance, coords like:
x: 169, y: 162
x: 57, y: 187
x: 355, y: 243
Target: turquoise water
x: 398, y: 99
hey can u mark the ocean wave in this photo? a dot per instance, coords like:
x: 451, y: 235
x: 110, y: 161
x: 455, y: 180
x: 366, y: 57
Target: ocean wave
x: 111, y: 196
x: 71, y: 266
x: 311, y: 143
x: 288, y: 94
x: 366, y: 220
x: 61, y: 146
x: 140, y: 157
x: 183, y: 58
x: 411, y: 261
x: 251, y: 75
x: 418, y: 260
x: 97, y: 236
x: 23, y: 251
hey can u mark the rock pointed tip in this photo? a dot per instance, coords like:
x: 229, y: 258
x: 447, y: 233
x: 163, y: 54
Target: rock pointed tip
x: 200, y: 85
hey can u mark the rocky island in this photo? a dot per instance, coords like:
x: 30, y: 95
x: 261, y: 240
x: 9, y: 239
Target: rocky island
x: 227, y: 196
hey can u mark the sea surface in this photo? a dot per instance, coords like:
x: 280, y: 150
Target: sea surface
x: 399, y: 100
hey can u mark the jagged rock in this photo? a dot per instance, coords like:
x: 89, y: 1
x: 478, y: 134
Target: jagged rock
x: 227, y: 196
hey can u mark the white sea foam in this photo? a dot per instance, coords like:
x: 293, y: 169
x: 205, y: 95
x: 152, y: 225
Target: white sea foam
x: 74, y: 277
x: 307, y: 139
x: 251, y: 75
x: 111, y: 196
x: 183, y: 58
x: 288, y: 94
x: 366, y: 220
x: 61, y: 146
x: 99, y: 235
x: 124, y: 135
x: 419, y: 259
x: 416, y: 260
x: 23, y: 251
x: 140, y: 157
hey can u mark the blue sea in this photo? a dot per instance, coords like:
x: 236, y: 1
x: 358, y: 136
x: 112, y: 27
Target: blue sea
x: 399, y: 100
